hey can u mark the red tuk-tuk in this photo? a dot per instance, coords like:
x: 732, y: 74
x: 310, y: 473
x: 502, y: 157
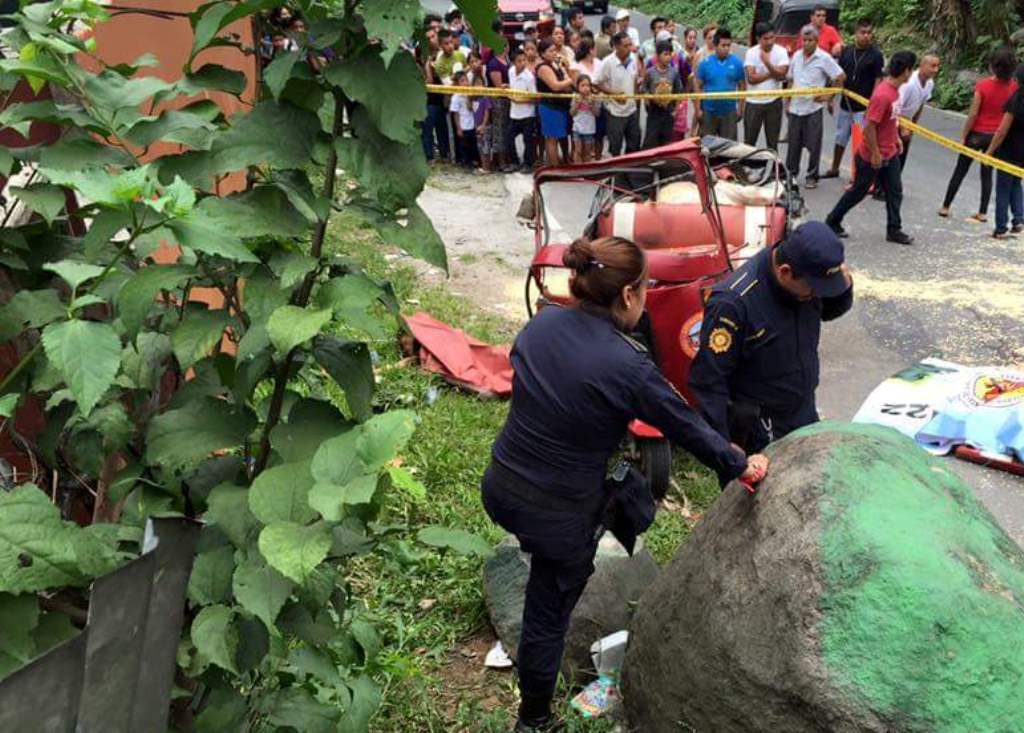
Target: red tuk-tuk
x: 787, y: 17
x: 698, y: 208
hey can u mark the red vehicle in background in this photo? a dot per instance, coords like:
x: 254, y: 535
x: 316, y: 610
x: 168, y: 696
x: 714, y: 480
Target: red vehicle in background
x: 699, y: 208
x: 515, y: 14
x: 787, y: 17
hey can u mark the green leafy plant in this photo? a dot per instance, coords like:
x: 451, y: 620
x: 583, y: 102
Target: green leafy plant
x: 157, y: 404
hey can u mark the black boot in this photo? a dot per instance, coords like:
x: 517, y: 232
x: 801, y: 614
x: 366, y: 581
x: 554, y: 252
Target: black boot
x: 535, y: 715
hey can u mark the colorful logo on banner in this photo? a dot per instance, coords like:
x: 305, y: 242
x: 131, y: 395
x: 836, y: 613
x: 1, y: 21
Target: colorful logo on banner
x: 689, y: 334
x: 994, y: 390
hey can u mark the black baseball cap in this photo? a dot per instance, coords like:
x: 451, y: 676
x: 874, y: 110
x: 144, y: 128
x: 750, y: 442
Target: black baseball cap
x: 816, y: 254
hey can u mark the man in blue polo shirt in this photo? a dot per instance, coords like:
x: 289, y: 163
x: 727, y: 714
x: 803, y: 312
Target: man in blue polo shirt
x: 722, y: 72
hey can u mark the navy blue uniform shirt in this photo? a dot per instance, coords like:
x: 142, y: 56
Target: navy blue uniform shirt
x: 578, y: 383
x: 759, y: 347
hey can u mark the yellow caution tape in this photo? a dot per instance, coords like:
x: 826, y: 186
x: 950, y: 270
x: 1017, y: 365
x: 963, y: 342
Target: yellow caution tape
x: 946, y: 142
x: 520, y: 96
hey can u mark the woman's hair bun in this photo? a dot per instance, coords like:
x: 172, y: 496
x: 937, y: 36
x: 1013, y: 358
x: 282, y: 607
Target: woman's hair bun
x: 579, y: 256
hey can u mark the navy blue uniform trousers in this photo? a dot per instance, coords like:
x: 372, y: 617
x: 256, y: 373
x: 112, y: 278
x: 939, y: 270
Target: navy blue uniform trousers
x: 562, y: 545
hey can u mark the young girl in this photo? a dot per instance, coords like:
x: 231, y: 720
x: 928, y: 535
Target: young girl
x: 464, y: 123
x: 532, y: 56
x: 476, y: 67
x: 585, y: 111
x: 482, y: 110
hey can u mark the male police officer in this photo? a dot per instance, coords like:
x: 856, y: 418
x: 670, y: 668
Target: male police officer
x: 757, y: 367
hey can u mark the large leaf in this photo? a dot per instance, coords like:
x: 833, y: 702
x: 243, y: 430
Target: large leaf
x: 276, y: 75
x: 19, y: 617
x: 295, y: 550
x: 330, y: 500
x: 295, y: 708
x: 366, y: 699
x: 172, y: 125
x: 383, y: 436
x: 458, y: 540
x: 104, y: 226
x: 74, y: 273
x: 204, y: 234
x: 183, y: 437
x: 299, y: 190
x: 45, y: 199
x: 480, y: 14
x: 395, y: 113
x: 38, y: 550
x: 337, y: 460
x: 197, y: 333
x: 264, y: 211
x: 280, y: 494
x: 214, y: 17
x: 215, y: 636
x: 413, y: 232
x: 72, y: 154
x: 352, y: 297
x: 110, y: 90
x: 212, y: 77
x: 254, y: 138
x: 310, y: 423
x: 392, y: 21
x: 290, y: 326
x: 392, y: 173
x: 139, y: 291
x: 348, y: 363
x: 87, y: 354
x: 210, y: 581
x: 261, y: 590
x: 32, y: 309
x: 227, y: 507
x: 292, y: 267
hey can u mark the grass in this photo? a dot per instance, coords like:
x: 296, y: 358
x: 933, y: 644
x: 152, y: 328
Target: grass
x: 429, y: 605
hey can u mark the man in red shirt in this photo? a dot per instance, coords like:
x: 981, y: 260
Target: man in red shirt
x: 878, y: 157
x: 829, y: 39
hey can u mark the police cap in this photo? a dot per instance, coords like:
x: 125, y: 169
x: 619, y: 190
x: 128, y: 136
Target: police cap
x: 816, y: 254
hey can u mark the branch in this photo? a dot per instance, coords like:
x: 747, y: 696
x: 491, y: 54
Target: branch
x: 302, y: 296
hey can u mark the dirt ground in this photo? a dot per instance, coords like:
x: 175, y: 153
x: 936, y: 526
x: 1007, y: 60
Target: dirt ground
x: 488, y: 250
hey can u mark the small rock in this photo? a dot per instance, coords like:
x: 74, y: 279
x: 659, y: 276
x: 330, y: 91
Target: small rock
x: 605, y: 607
x: 967, y: 77
x: 427, y: 603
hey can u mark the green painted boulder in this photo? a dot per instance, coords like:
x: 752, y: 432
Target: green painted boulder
x: 863, y: 588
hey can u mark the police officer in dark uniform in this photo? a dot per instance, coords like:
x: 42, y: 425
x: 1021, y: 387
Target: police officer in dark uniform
x: 579, y: 381
x: 757, y: 367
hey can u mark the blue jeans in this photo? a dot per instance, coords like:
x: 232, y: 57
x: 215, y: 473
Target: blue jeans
x: 1009, y: 198
x: 436, y: 125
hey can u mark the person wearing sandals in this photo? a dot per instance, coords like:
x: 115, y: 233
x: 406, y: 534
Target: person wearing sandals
x: 1008, y: 145
x: 990, y: 96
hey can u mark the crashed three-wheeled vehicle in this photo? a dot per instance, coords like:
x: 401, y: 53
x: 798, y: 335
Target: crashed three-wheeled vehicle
x: 699, y: 208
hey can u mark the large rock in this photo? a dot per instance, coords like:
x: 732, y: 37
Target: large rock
x: 606, y: 606
x: 863, y: 588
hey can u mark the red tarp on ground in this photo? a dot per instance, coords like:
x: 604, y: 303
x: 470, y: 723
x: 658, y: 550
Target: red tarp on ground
x: 461, y: 359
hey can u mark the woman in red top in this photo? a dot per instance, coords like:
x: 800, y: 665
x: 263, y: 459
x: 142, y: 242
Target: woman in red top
x: 990, y: 96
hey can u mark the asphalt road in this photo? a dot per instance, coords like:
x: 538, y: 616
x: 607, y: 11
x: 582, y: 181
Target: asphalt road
x: 956, y: 293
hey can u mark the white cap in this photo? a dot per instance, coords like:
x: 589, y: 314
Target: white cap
x: 529, y: 26
x: 622, y: 14
x: 663, y: 36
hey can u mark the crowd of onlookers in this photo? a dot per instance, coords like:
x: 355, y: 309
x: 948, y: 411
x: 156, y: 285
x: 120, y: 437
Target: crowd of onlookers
x: 594, y: 115
x: 596, y: 70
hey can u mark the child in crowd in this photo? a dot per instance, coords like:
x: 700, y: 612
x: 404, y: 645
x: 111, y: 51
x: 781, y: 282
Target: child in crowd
x: 584, y: 110
x: 663, y: 77
x: 482, y: 109
x: 522, y: 115
x: 532, y: 56
x: 464, y: 123
x: 475, y: 65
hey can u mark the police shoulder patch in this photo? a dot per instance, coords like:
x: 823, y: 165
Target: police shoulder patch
x: 720, y: 340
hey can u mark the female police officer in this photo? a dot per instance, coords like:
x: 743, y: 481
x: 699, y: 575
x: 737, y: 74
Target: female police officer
x: 579, y: 381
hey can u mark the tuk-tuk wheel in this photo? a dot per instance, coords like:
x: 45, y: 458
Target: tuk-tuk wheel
x: 656, y: 464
